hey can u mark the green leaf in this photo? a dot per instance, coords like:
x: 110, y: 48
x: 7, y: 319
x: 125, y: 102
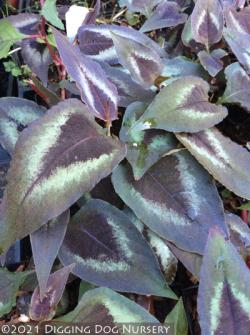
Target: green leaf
x: 8, y: 36
x: 176, y: 198
x: 145, y: 148
x: 56, y: 159
x: 49, y: 11
x: 177, y: 319
x: 245, y: 206
x: 16, y: 114
x: 103, y: 305
x: 108, y: 251
x: 9, y: 285
x: 224, y: 291
x: 226, y: 160
x: 182, y: 106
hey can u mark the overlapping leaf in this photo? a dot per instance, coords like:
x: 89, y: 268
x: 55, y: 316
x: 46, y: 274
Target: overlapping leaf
x: 238, y: 86
x: 166, y: 258
x: 143, y: 6
x: 207, y: 22
x: 9, y: 35
x: 96, y: 41
x: 176, y: 198
x: 108, y: 251
x: 224, y: 292
x: 93, y: 13
x: 104, y: 306
x: 15, y: 115
x: 238, y: 21
x: 58, y: 158
x: 49, y: 11
x: 44, y: 310
x: 9, y: 285
x: 167, y: 14
x: 142, y: 61
x: 226, y: 160
x: 128, y: 90
x: 145, y: 148
x: 25, y: 23
x: 182, y: 106
x: 96, y: 90
x: 37, y: 57
x: 177, y: 319
x: 45, y: 243
x: 212, y: 61
x: 240, y: 45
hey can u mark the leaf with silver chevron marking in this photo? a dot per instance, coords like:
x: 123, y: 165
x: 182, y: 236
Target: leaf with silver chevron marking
x: 96, y: 41
x: 182, y: 106
x: 238, y: 86
x: 45, y: 243
x: 166, y: 259
x: 233, y: 4
x: 224, y: 292
x: 166, y: 14
x: 27, y: 24
x: 239, y: 21
x: 226, y: 160
x: 45, y: 309
x: 212, y: 61
x: 9, y: 285
x: 128, y: 90
x: 177, y: 319
x: 176, y: 198
x: 37, y: 57
x: 240, y: 46
x: 104, y: 306
x: 97, y: 91
x: 144, y: 148
x: 108, y: 251
x: 143, y: 62
x: 67, y: 145
x: 143, y: 6
x: 207, y: 22
x: 239, y: 233
x: 15, y: 115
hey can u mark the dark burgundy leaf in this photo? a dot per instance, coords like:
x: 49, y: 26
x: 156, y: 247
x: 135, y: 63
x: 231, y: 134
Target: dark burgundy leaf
x: 96, y: 90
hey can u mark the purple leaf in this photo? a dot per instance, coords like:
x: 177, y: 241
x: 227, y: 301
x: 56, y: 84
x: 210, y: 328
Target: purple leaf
x: 212, y: 61
x: 15, y: 115
x: 143, y: 62
x: 108, y: 251
x: 27, y: 24
x: 93, y: 14
x: 57, y: 159
x: 240, y: 45
x: 37, y: 57
x: 224, y: 291
x: 143, y: 6
x: 44, y: 310
x: 176, y: 198
x: 207, y: 22
x: 239, y: 21
x: 226, y: 160
x: 96, y: 90
x: 45, y: 243
x: 238, y: 86
x: 233, y: 3
x: 96, y: 41
x: 128, y: 90
x: 167, y: 14
x: 183, y: 105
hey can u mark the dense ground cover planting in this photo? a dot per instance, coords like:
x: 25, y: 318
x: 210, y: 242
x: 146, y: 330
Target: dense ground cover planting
x: 127, y: 167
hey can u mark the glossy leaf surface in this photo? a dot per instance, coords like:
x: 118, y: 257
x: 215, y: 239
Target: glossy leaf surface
x: 64, y: 145
x: 109, y: 251
x: 212, y: 61
x: 176, y: 198
x: 226, y: 160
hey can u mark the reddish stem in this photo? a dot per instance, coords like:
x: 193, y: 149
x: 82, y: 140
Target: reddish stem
x: 38, y: 92
x: 244, y: 215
